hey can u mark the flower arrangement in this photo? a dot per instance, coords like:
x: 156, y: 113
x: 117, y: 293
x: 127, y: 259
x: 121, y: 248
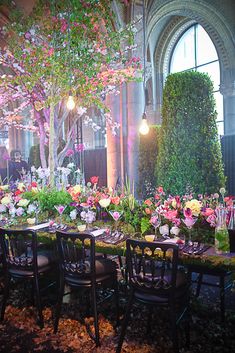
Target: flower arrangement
x: 87, y: 203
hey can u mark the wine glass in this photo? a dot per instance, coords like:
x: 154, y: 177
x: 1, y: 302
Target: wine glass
x: 189, y: 222
x: 36, y: 210
x: 155, y: 220
x: 60, y: 209
x: 116, y: 216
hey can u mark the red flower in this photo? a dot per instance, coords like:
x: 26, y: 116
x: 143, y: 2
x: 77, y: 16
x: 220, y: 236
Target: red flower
x: 34, y: 184
x: 94, y: 179
x: 18, y: 192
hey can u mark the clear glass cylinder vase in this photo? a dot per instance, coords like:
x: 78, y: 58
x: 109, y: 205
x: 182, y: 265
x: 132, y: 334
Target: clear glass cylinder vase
x: 221, y: 231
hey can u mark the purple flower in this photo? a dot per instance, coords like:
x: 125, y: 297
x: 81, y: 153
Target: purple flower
x: 19, y: 211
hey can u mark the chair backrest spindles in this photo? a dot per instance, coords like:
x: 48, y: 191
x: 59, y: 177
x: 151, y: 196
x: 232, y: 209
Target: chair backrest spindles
x: 74, y: 256
x: 152, y: 265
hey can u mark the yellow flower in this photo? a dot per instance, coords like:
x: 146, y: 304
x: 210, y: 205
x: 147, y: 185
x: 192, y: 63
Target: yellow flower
x: 174, y: 203
x: 31, y: 221
x: 34, y: 190
x: 5, y: 200
x: 194, y: 205
x: 77, y: 189
x: 104, y: 202
x: 23, y: 203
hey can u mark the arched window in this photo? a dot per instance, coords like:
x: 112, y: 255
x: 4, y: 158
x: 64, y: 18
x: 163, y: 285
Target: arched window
x: 195, y: 51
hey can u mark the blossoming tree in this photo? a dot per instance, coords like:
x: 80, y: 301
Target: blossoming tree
x: 62, y: 48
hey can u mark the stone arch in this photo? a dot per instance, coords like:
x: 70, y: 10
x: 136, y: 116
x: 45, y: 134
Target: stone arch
x: 206, y: 15
x: 169, y: 19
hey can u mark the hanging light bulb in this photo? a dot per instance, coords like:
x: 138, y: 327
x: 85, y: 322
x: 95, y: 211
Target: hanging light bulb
x: 144, y: 128
x: 70, y: 103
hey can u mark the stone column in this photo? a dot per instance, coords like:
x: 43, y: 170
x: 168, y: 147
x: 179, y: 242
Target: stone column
x: 134, y: 109
x: 227, y: 89
x: 113, y: 143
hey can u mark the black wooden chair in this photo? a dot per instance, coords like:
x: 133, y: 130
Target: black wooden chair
x: 225, y: 282
x: 23, y: 261
x: 156, y: 280
x: 81, y: 269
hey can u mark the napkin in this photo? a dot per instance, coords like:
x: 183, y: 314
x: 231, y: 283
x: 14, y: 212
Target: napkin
x: 98, y: 232
x: 171, y: 241
x: 39, y: 226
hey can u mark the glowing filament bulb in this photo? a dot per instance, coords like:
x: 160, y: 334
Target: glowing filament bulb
x: 70, y: 103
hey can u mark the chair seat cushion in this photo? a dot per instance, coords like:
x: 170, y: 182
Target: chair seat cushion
x: 162, y: 295
x: 44, y: 260
x: 105, y: 269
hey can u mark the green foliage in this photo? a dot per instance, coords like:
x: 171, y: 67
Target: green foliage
x: 189, y: 149
x: 48, y: 200
x: 147, y: 161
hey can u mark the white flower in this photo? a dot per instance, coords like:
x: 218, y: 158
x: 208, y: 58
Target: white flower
x: 21, y: 186
x: 23, y: 203
x: 5, y: 200
x: 33, y: 169
x: 105, y: 202
x: 3, y: 208
x: 71, y: 165
x: 164, y: 230
x: 31, y: 209
x: 175, y: 231
x: 73, y: 215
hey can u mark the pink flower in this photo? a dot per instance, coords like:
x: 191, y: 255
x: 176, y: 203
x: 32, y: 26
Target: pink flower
x: 79, y: 147
x: 189, y: 221
x: 212, y: 220
x: 160, y: 190
x: 171, y: 215
x: 94, y: 179
x: 188, y: 213
x: 207, y: 212
x: 69, y: 152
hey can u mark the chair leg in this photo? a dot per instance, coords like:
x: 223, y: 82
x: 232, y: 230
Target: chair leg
x: 222, y: 298
x: 124, y: 324
x: 174, y: 329
x: 38, y: 301
x: 199, y: 284
x: 116, y: 294
x: 96, y: 323
x: 59, y: 304
x: 5, y: 296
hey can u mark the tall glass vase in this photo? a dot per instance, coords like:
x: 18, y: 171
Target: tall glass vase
x: 221, y: 231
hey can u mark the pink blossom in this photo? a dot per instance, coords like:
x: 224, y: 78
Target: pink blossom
x: 79, y: 147
x: 171, y: 215
x: 188, y: 213
x: 212, y: 220
x: 189, y: 221
x: 69, y: 152
x: 207, y: 212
